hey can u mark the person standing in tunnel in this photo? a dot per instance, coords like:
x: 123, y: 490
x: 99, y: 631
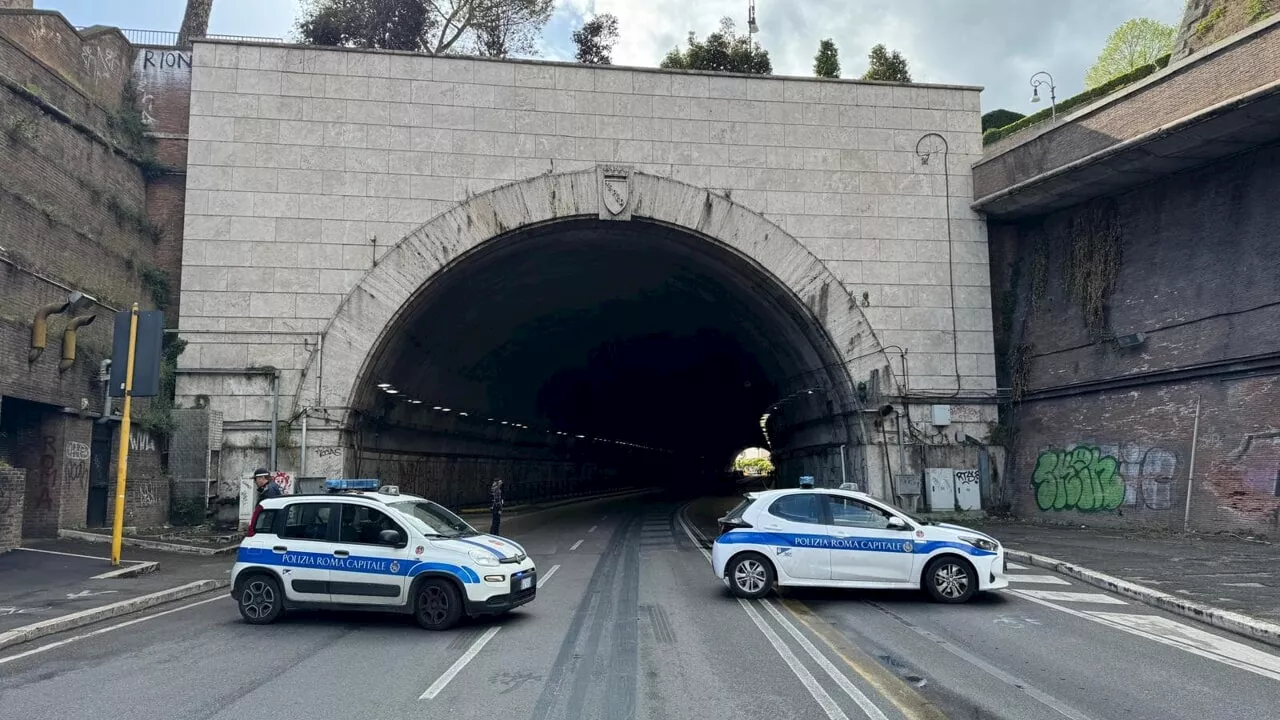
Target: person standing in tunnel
x: 495, y: 506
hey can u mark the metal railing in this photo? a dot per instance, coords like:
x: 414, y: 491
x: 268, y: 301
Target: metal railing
x: 167, y: 38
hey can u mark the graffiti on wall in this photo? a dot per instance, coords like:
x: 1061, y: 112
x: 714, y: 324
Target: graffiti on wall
x: 75, y: 467
x: 141, y: 440
x: 284, y: 480
x: 48, y: 477
x: 164, y: 81
x: 1098, y: 478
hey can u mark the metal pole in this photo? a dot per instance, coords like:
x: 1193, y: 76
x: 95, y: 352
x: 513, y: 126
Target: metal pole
x: 1191, y: 471
x: 275, y: 415
x: 302, y: 462
x: 844, y: 475
x: 122, y: 458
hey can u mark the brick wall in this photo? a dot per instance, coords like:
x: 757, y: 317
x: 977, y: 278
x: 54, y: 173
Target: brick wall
x: 146, y: 502
x: 1204, y: 80
x: 57, y: 461
x: 13, y: 485
x: 1198, y: 276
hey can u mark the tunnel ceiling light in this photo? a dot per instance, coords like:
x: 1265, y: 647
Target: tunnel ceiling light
x: 581, y: 436
x: 462, y: 414
x: 392, y: 391
x: 384, y: 386
x: 437, y: 407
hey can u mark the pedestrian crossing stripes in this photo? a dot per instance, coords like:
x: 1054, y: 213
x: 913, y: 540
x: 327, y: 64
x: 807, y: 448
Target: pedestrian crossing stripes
x: 1077, y: 597
x: 1038, y: 579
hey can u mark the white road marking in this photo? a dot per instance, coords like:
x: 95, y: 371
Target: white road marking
x: 543, y: 580
x: 1064, y: 596
x: 121, y: 571
x: 87, y: 557
x: 100, y: 631
x: 444, y: 680
x: 1244, y: 584
x: 1043, y: 697
x: 1016, y: 566
x: 802, y: 673
x: 593, y: 529
x: 88, y: 593
x: 1199, y: 642
x: 1129, y: 624
x: 861, y: 700
x: 806, y: 678
x: 1038, y: 579
x: 575, y: 546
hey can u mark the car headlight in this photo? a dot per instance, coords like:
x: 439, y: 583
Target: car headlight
x: 483, y: 558
x: 981, y: 543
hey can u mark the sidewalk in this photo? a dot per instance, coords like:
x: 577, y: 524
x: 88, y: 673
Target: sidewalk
x: 1234, y: 575
x: 50, y: 585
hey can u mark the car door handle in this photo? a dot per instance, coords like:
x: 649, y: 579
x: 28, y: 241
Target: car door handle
x: 840, y: 533
x: 772, y: 527
x: 341, y: 553
x: 280, y: 549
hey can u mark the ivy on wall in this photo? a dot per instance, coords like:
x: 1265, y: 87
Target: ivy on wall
x: 1093, y: 265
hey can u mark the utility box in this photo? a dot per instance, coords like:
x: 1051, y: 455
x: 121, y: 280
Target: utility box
x: 941, y: 415
x: 940, y: 489
x: 968, y: 490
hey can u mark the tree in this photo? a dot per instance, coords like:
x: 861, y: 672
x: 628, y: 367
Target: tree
x: 595, y: 39
x: 723, y: 51
x: 510, y: 28
x: 754, y: 466
x: 887, y: 67
x: 826, y: 64
x: 1000, y: 118
x: 1135, y: 43
x: 491, y: 27
x: 195, y: 21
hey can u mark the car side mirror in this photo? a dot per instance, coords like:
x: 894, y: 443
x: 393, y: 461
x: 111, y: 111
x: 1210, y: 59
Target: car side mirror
x: 897, y: 523
x: 389, y: 537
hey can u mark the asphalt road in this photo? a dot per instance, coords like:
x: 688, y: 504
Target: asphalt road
x: 628, y: 624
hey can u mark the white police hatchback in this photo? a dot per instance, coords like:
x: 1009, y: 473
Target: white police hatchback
x: 359, y: 546
x: 847, y: 539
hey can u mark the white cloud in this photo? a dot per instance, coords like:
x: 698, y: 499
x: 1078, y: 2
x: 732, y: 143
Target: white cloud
x: 997, y: 44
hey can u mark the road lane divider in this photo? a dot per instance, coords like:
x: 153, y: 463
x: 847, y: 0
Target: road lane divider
x: 912, y: 706
x: 443, y: 681
x: 862, y: 701
x: 593, y: 528
x: 575, y: 546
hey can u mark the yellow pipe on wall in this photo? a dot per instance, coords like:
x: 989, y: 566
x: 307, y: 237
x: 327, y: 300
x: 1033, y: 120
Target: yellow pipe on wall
x: 39, y: 328
x: 69, y: 340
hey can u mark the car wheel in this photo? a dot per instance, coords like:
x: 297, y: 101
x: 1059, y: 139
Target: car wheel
x: 750, y: 576
x: 950, y: 580
x: 260, y: 600
x: 438, y: 605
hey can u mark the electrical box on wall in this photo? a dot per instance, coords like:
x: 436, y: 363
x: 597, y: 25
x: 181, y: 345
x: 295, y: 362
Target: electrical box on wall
x: 941, y: 415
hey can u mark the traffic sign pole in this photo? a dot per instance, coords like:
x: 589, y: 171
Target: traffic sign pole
x: 122, y: 460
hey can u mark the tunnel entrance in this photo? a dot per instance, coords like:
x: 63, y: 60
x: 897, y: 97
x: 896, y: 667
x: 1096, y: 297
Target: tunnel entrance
x: 579, y: 354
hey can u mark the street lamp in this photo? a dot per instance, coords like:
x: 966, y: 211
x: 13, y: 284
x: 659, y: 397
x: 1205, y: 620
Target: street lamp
x: 752, y: 27
x: 1036, y: 82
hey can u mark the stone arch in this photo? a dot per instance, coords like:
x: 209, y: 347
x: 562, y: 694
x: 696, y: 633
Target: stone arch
x: 371, y: 309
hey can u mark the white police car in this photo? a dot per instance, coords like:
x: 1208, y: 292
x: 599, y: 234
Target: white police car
x: 847, y: 539
x: 364, y: 547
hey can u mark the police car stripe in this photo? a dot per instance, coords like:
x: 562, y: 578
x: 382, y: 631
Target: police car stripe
x: 831, y: 542
x: 354, y: 563
x: 497, y: 553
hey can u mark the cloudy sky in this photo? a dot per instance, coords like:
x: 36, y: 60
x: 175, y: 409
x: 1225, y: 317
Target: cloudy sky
x: 997, y: 44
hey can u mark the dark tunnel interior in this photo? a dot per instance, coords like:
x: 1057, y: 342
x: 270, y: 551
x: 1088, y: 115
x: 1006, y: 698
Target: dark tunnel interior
x: 634, y: 332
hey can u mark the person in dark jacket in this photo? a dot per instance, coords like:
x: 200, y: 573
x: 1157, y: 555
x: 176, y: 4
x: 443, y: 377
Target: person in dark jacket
x: 267, y: 488
x: 495, y: 505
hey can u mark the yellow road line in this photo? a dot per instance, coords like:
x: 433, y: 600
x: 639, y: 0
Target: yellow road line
x: 909, y: 702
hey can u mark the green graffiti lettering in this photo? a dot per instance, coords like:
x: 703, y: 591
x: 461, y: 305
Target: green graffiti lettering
x: 1081, y: 479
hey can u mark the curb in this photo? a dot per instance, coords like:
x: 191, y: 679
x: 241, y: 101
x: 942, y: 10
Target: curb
x: 141, y: 568
x: 34, y: 631
x: 1233, y: 622
x: 519, y: 510
x: 150, y: 544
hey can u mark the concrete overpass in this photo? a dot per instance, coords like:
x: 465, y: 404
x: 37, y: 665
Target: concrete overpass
x: 573, y: 276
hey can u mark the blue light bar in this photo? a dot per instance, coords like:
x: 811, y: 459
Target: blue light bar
x: 345, y: 484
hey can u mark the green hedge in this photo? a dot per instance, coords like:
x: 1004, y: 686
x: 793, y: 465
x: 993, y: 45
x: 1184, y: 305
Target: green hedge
x: 1075, y: 101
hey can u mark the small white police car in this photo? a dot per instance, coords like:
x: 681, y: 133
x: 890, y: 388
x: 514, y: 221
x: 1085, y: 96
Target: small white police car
x: 847, y: 539
x: 380, y: 550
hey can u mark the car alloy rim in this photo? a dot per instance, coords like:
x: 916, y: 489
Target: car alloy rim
x: 435, y: 605
x: 749, y: 576
x: 951, y: 580
x: 258, y: 599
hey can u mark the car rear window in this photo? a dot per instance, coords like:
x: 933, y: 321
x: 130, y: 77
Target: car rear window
x: 737, y: 510
x: 266, y: 521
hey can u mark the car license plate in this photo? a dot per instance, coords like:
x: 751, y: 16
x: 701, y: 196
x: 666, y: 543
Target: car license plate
x: 526, y: 583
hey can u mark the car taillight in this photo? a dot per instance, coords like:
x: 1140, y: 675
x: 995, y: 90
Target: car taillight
x: 253, y: 521
x: 737, y: 524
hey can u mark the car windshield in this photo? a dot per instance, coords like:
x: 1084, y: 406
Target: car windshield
x: 432, y: 519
